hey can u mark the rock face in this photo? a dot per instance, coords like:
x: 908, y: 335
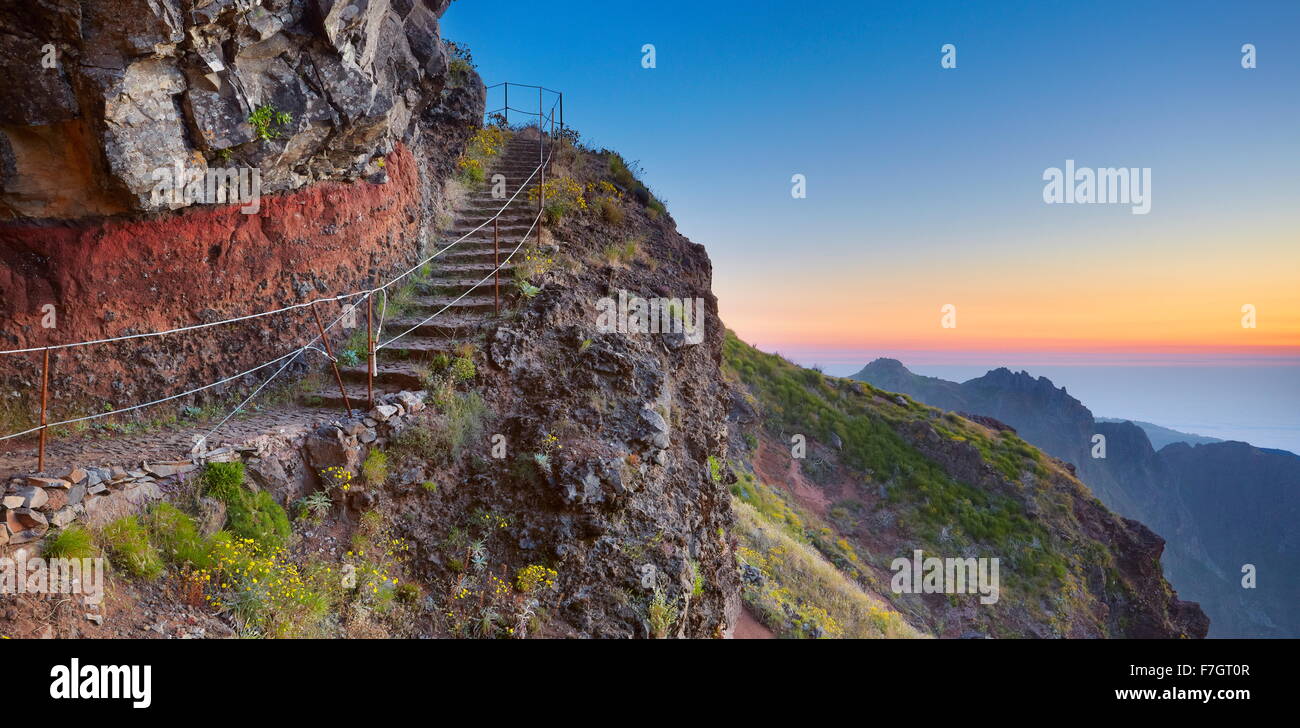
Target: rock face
x: 107, y: 93
x: 370, y: 132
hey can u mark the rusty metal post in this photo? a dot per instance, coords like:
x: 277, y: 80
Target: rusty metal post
x: 333, y: 362
x: 541, y: 165
x: 561, y: 113
x: 45, y: 392
x: 370, y: 349
x: 507, y: 103
x: 496, y: 259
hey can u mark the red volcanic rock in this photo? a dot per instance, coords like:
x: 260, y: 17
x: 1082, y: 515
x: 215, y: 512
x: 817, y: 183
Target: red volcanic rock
x: 114, y: 277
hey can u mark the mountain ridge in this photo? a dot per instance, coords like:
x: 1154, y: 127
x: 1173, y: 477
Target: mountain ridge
x: 1165, y: 488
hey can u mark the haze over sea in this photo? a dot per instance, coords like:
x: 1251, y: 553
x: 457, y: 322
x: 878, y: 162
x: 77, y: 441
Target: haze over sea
x: 1255, y: 404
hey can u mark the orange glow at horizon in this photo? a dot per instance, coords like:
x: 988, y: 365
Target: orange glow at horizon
x: 1158, y: 299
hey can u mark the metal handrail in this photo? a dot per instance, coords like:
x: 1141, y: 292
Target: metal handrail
x: 367, y: 296
x: 505, y: 85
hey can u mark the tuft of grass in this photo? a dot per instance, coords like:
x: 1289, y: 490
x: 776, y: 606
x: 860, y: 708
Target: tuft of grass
x: 375, y: 469
x: 73, y: 542
x: 609, y: 210
x: 176, y: 536
x: 259, y: 517
x: 623, y: 253
x: 128, y: 546
x: 223, y: 481
x: 661, y: 613
x: 442, y: 437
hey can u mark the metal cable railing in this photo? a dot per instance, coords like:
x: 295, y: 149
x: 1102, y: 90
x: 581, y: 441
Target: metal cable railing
x: 365, y: 296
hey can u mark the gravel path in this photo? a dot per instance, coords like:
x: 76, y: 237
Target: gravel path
x: 172, y: 443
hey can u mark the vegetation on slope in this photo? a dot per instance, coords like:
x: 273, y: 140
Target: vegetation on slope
x: 913, y: 477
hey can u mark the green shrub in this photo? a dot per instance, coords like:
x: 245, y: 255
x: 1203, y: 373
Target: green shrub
x: 314, y: 506
x: 127, y: 543
x: 609, y: 210
x: 259, y: 517
x: 223, y: 481
x: 715, y: 469
x: 623, y: 253
x: 268, y: 123
x: 462, y: 368
x: 176, y: 536
x: 73, y: 542
x: 661, y: 614
x: 375, y: 468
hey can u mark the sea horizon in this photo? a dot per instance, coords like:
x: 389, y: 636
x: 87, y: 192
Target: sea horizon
x: 1246, y: 399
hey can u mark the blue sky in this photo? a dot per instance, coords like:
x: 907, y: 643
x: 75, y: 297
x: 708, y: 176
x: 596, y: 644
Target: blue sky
x: 905, y: 160
x: 924, y: 184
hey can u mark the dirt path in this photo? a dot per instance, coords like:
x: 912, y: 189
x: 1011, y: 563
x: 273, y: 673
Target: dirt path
x: 749, y: 628
x: 172, y: 443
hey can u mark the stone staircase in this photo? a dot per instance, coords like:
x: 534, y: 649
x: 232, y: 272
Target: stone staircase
x: 452, y: 273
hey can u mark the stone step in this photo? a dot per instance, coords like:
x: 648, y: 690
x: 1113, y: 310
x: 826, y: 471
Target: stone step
x: 476, y: 252
x: 477, y: 303
x: 519, y: 209
x: 455, y: 286
x: 467, y: 270
x: 417, y: 348
x: 389, y: 375
x: 513, y: 228
x: 330, y: 398
x: 442, y: 325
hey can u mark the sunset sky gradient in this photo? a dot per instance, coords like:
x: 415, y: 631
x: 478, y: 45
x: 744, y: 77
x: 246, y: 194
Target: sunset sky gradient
x: 925, y: 185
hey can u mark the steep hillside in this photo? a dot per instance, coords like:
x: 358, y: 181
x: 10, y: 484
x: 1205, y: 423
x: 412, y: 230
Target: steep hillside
x: 550, y: 478
x: 1220, y: 505
x: 885, y: 475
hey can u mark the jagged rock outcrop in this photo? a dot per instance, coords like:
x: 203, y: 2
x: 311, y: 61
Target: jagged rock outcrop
x: 99, y: 97
x: 352, y: 183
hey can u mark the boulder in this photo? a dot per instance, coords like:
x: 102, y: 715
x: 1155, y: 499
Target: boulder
x: 29, y: 518
x: 104, y: 509
x: 32, y: 497
x: 55, y: 499
x: 36, y: 482
x: 168, y: 469
x: 330, y: 447
x: 63, y: 517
